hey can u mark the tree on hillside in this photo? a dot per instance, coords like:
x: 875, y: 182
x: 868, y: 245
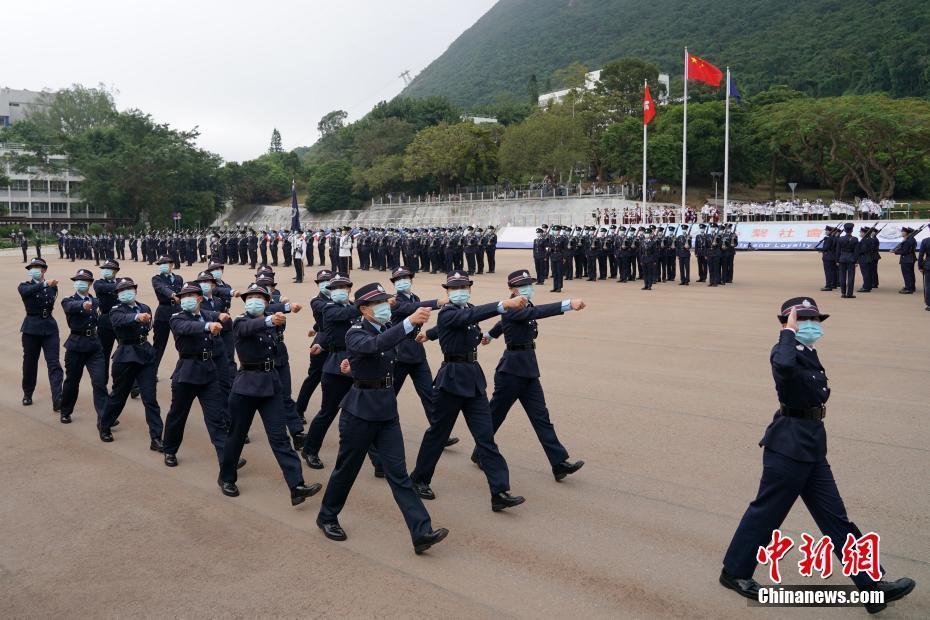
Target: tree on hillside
x: 571, y: 76
x: 275, y: 146
x: 463, y: 152
x: 420, y: 113
x: 332, y: 122
x: 545, y: 143
x: 532, y: 89
x: 330, y: 186
x: 621, y: 84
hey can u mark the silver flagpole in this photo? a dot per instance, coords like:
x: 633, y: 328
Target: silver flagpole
x: 645, y: 193
x: 684, y: 144
x: 726, y: 152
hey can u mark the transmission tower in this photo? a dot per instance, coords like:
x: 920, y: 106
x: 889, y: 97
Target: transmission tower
x: 405, y: 76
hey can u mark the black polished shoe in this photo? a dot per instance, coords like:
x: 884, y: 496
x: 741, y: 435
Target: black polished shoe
x: 827, y: 288
x: 105, y: 435
x: 157, y: 445
x: 241, y: 463
x: 313, y: 460
x: 893, y: 590
x: 56, y: 405
x: 302, y: 492
x: 171, y: 460
x: 476, y: 460
x: 332, y: 530
x: 27, y: 400
x: 504, y: 499
x: 379, y: 473
x: 229, y: 489
x: 115, y: 423
x: 134, y: 393
x: 425, y: 542
x: 422, y: 489
x: 298, y: 439
x: 744, y: 587
x: 566, y: 468
x: 451, y: 441
x: 65, y: 418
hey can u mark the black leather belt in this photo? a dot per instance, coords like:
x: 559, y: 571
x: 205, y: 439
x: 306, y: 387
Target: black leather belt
x: 203, y: 356
x: 279, y: 337
x: 138, y: 340
x: 805, y: 413
x: 266, y: 366
x: 90, y: 333
x: 335, y: 348
x: 44, y: 314
x: 374, y: 384
x: 166, y: 303
x: 528, y: 346
x: 471, y: 356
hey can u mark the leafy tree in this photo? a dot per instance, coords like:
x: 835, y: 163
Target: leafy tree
x: 330, y: 186
x: 420, y: 113
x: 376, y: 138
x: 621, y: 84
x: 385, y: 174
x: 74, y: 110
x: 332, y: 122
x: 532, y: 89
x: 546, y: 143
x: 275, y: 146
x: 570, y: 76
x: 463, y: 152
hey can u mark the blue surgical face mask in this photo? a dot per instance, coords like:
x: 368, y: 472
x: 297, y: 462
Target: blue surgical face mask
x: 164, y: 268
x: 403, y: 286
x: 36, y: 274
x: 809, y: 332
x: 207, y: 288
x: 127, y: 296
x: 188, y: 304
x: 255, y: 306
x: 526, y: 291
x: 81, y: 286
x: 340, y: 295
x: 324, y: 288
x: 382, y: 313
x: 217, y: 273
x: 460, y: 296
x: 106, y: 274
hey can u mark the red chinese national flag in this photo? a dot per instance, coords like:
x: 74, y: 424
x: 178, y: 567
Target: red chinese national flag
x: 703, y: 71
x: 649, y: 107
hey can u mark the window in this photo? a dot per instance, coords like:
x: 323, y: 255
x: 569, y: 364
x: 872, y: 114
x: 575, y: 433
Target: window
x: 59, y: 207
x: 40, y: 207
x: 39, y: 187
x: 19, y: 207
x: 5, y: 121
x: 57, y: 186
x: 20, y: 185
x: 75, y: 187
x: 4, y: 206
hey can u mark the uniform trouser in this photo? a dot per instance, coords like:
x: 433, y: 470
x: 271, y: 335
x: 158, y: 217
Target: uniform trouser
x: 926, y: 274
x: 314, y: 375
x: 125, y: 375
x: 424, y: 260
x: 271, y: 409
x: 492, y: 263
x: 364, y: 259
x: 211, y: 402
x: 508, y: 389
x: 612, y: 260
x: 713, y: 269
x: 624, y: 268
x: 48, y: 345
x: 264, y: 253
x: 308, y: 256
x: 783, y: 481
x: 274, y: 255
x: 702, y: 268
x: 299, y: 269
x: 24, y: 255
x: 684, y: 268
x: 107, y: 338
x: 907, y: 271
x: 472, y: 262
x: 335, y: 387
x: 480, y: 258
x: 75, y: 363
x: 866, y: 270
x: 356, y: 437
x: 253, y: 258
x: 649, y: 273
x: 875, y: 272
x: 224, y: 376
x: 540, y: 265
x: 847, y: 276
x: 591, y: 267
x: 662, y: 266
x: 321, y: 250
x: 580, y: 265
x: 477, y: 415
x: 829, y: 273
x: 161, y: 330
x: 344, y: 264
x: 556, y: 261
x: 730, y: 261
x: 294, y: 425
x: 670, y: 267
x: 422, y: 379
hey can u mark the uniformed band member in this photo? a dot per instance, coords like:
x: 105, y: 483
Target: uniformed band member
x: 517, y: 374
x: 133, y: 364
x: 460, y: 386
x: 82, y: 348
x: 257, y: 387
x: 40, y: 332
x: 369, y: 418
x: 166, y: 285
x: 794, y: 460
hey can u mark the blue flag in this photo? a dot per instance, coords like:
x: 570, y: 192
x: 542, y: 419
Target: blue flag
x: 295, y: 215
x: 734, y: 92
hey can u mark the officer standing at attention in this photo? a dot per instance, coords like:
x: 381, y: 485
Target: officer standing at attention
x: 133, y: 364
x: 828, y: 256
x: 540, y: 255
x: 907, y: 251
x: 558, y: 249
x: 846, y: 257
x: 517, y: 374
x: 700, y: 251
x: 257, y: 388
x: 166, y: 285
x: 460, y: 386
x: 82, y: 348
x: 318, y: 353
x: 196, y: 332
x: 794, y: 460
x: 369, y: 418
x: 40, y: 332
x: 683, y: 251
x: 923, y: 263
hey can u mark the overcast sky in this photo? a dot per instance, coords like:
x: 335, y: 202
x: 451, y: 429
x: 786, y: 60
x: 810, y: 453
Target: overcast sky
x: 234, y: 68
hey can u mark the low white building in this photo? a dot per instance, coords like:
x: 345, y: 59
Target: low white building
x: 16, y: 104
x: 590, y: 82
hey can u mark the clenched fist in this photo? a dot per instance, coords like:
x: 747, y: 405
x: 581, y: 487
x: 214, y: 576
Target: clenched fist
x: 295, y: 308
x: 421, y: 337
x: 311, y: 333
x: 514, y: 302
x: 223, y: 316
x: 215, y: 328
x: 278, y: 318
x: 316, y: 349
x: 419, y: 316
x: 578, y: 304
x: 344, y: 367
x: 53, y: 282
x: 87, y: 305
x: 144, y: 317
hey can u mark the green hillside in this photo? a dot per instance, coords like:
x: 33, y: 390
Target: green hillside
x: 820, y: 47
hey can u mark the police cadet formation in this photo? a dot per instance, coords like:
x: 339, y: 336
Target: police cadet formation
x: 366, y: 344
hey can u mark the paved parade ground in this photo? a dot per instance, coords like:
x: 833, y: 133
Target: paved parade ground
x: 664, y: 393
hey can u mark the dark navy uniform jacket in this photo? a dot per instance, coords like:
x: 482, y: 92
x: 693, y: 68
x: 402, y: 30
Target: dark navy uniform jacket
x: 256, y: 343
x: 106, y: 293
x: 192, y: 338
x: 282, y: 357
x: 126, y: 327
x: 371, y: 355
x: 224, y: 342
x: 84, y: 321
x: 39, y: 300
x: 924, y: 258
x: 458, y: 333
x: 829, y: 248
x: 409, y: 351
x: 907, y: 251
x: 800, y: 382
x: 316, y: 307
x: 683, y: 245
x: 846, y: 249
x: 337, y: 319
x: 519, y: 327
x: 165, y: 286
x: 540, y: 247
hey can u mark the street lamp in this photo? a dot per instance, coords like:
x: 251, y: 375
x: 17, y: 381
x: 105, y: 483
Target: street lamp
x: 716, y: 176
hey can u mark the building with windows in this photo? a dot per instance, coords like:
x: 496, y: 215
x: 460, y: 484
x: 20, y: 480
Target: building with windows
x: 590, y: 81
x: 16, y: 104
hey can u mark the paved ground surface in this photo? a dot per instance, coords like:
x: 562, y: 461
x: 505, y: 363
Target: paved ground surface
x: 665, y: 394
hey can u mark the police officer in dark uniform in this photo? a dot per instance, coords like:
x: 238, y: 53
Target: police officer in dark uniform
x: 82, y: 348
x: 257, y: 388
x: 558, y: 248
x: 133, y: 364
x: 827, y: 251
x: 470, y: 243
x: 907, y: 252
x: 105, y: 288
x: 649, y: 257
x: 714, y: 256
x: 923, y: 263
x: 369, y: 418
x: 794, y: 462
x: 40, y: 332
x: 166, y: 285
x: 540, y: 255
x: 318, y: 351
x: 252, y: 248
x: 460, y: 386
x: 846, y: 257
x: 683, y: 252
x: 864, y: 258
x: 213, y: 300
x: 517, y: 374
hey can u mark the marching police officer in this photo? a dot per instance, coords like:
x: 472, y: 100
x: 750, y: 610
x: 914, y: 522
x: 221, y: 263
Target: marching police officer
x: 318, y: 352
x: 517, y: 374
x: 133, y: 364
x: 167, y: 285
x: 794, y: 460
x: 40, y: 331
x: 82, y: 348
x: 216, y: 301
x: 369, y: 418
x: 105, y: 288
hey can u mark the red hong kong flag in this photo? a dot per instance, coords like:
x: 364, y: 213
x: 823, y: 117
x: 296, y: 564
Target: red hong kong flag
x: 649, y: 107
x: 702, y: 71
